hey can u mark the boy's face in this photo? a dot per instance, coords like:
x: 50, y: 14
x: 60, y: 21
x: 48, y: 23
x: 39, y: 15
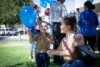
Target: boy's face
x: 44, y: 26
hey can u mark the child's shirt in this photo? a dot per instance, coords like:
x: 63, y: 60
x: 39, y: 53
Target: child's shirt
x: 42, y: 43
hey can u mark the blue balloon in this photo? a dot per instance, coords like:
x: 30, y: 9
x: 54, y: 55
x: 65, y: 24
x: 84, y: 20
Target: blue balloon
x: 52, y: 2
x: 91, y: 0
x: 28, y: 16
x: 49, y: 1
x: 43, y: 3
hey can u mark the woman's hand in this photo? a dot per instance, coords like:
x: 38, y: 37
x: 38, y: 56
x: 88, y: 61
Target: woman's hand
x: 51, y: 52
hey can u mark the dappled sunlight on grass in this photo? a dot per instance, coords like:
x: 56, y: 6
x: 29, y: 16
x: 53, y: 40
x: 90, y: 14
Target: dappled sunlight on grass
x: 13, y: 52
x: 16, y: 54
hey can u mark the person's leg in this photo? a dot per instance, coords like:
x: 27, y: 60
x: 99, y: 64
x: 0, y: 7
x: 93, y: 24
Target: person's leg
x: 31, y: 54
x: 92, y: 42
x: 79, y: 63
x: 45, y: 60
x: 99, y: 44
x: 85, y: 40
x: 31, y: 51
x: 34, y: 56
x: 57, y: 36
x: 66, y: 65
x: 38, y: 59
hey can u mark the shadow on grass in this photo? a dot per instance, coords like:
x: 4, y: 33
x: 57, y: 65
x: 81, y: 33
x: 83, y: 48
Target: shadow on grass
x: 31, y: 64
x: 52, y: 64
x: 26, y: 64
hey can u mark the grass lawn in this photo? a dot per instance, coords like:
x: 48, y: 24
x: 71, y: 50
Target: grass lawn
x: 16, y: 54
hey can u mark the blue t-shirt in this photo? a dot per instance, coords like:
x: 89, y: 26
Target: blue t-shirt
x: 88, y: 21
x: 34, y: 31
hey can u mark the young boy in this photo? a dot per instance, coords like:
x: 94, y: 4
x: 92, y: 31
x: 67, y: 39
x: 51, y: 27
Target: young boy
x: 43, y: 42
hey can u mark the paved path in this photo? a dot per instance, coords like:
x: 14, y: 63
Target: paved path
x: 14, y: 38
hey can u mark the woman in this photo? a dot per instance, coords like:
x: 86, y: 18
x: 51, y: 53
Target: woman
x: 88, y: 22
x: 68, y: 44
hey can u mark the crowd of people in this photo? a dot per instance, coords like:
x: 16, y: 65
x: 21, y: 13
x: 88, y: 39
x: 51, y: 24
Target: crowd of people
x: 59, y: 29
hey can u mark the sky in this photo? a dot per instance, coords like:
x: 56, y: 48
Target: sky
x: 80, y: 3
x: 70, y: 5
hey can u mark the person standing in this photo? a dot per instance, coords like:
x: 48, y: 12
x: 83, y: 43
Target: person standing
x: 33, y: 31
x: 88, y: 22
x: 47, y: 20
x: 57, y: 12
x: 98, y: 29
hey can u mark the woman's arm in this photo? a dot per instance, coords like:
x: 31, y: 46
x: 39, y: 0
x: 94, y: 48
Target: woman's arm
x: 61, y: 51
x: 58, y: 52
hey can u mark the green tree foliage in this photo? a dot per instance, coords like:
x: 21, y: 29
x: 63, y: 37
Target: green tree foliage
x: 9, y: 10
